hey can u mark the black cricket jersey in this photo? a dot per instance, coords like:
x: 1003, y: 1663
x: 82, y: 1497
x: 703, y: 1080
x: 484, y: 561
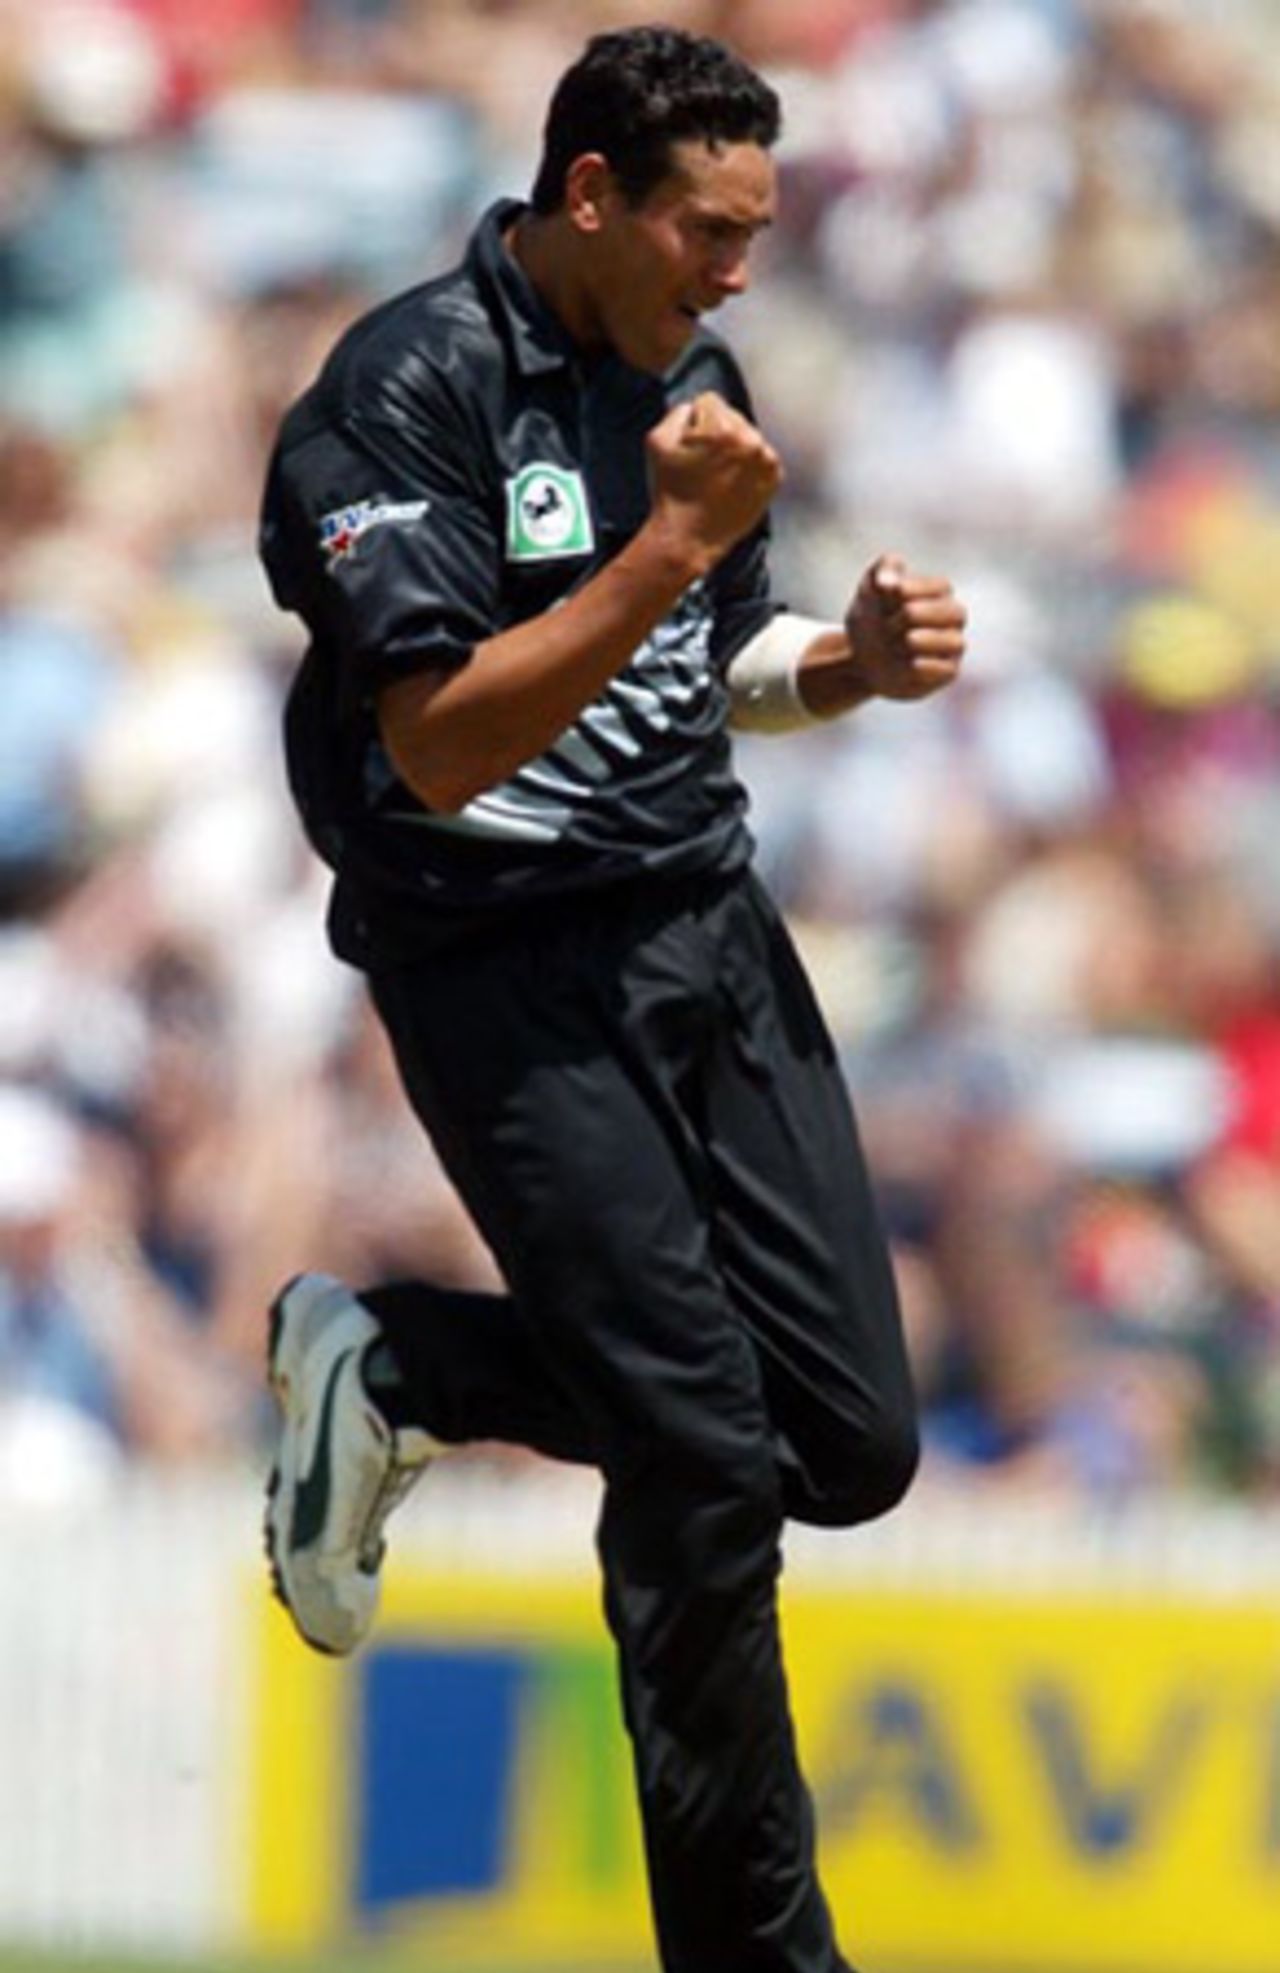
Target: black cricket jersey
x: 457, y: 468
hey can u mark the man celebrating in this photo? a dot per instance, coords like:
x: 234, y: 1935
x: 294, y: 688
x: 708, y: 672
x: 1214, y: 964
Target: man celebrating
x: 523, y: 513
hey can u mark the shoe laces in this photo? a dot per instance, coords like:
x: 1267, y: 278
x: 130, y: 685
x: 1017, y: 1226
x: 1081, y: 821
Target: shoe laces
x: 398, y: 1481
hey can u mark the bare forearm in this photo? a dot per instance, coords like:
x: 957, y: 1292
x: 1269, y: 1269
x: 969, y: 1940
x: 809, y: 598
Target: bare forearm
x: 828, y: 681
x: 902, y: 638
x: 452, y: 736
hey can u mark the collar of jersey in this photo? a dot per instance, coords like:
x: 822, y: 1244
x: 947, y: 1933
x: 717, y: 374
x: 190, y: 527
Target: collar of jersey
x: 537, y: 340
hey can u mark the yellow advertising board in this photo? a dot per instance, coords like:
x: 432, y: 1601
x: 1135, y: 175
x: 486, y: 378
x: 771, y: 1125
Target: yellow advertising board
x: 1043, y: 1785
x: 1047, y: 1785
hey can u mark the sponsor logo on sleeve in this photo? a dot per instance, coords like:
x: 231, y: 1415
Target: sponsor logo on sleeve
x: 341, y: 530
x: 547, y: 514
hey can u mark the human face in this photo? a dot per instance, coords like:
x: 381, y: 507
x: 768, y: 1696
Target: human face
x: 659, y: 266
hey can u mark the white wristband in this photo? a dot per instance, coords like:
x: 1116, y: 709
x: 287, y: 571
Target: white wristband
x: 763, y: 677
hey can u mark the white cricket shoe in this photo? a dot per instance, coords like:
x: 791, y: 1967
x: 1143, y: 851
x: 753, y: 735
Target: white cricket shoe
x: 340, y: 1468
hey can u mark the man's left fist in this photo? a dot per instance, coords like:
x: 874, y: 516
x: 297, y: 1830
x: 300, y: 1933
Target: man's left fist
x: 906, y: 631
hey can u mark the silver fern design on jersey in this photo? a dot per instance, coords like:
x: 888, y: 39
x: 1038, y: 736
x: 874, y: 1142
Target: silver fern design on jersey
x: 661, y: 693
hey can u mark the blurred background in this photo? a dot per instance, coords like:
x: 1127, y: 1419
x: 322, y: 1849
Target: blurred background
x: 1020, y: 320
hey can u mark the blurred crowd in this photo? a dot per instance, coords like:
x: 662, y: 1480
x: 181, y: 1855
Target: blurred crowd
x: 1020, y: 320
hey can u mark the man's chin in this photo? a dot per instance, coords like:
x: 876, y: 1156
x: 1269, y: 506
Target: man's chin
x: 657, y: 353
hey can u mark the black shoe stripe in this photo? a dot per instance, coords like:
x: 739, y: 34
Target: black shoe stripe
x: 311, y: 1494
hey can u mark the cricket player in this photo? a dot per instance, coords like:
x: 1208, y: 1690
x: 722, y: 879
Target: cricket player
x: 524, y: 515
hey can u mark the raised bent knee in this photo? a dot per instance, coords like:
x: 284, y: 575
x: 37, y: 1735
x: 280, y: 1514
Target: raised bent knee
x: 875, y: 1474
x: 891, y: 1466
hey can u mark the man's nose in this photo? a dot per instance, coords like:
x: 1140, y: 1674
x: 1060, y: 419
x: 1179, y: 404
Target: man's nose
x: 731, y: 275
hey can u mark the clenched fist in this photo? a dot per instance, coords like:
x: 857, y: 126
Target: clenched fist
x: 905, y: 631
x: 712, y: 474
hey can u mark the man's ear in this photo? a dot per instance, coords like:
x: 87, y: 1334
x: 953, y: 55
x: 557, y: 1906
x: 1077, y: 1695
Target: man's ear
x: 589, y: 190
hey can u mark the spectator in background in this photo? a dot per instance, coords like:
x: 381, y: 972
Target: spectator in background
x: 93, y: 1361
x: 49, y: 1354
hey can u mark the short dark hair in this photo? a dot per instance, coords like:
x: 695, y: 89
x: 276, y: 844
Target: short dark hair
x: 631, y: 94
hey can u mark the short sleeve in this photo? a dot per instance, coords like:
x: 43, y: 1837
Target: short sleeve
x: 381, y: 537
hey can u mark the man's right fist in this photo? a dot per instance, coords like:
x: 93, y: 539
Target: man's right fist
x: 712, y: 474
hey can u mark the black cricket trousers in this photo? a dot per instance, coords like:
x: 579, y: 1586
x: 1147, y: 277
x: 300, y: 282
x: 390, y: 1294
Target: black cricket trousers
x: 640, y: 1105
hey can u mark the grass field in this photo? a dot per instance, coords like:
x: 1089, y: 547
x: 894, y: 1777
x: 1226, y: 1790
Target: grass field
x: 350, y: 1960
x: 346, y: 1961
